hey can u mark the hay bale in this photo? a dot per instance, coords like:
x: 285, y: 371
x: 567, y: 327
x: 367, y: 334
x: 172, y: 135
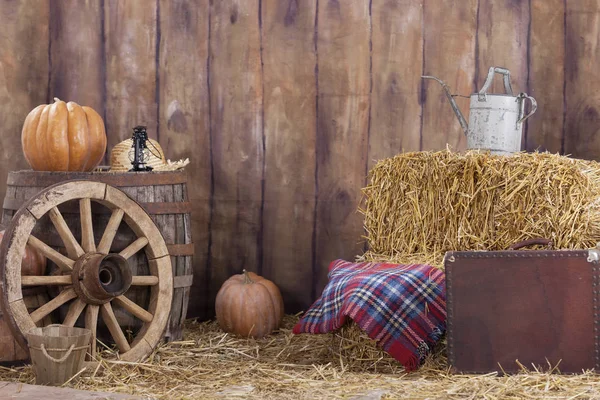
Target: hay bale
x: 421, y: 204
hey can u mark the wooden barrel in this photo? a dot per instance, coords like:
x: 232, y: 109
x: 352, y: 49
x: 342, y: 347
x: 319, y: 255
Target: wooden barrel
x: 162, y: 194
x: 11, y: 352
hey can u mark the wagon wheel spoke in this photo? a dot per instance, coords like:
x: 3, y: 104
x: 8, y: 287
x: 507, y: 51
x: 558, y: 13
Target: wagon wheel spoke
x: 134, y: 247
x: 64, y: 263
x: 74, y: 312
x: 144, y: 280
x: 87, y: 229
x: 91, y: 323
x: 111, y: 322
x: 110, y: 231
x: 74, y: 250
x: 53, y: 304
x: 134, y: 309
x: 46, y: 280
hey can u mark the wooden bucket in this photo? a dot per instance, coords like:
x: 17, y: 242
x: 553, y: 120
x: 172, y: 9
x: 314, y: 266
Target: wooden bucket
x: 57, y: 352
x: 162, y: 194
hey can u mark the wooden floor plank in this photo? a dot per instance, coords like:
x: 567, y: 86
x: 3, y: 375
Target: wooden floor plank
x: 14, y: 390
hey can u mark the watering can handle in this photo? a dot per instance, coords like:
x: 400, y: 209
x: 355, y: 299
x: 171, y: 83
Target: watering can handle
x: 533, y: 107
x: 57, y: 360
x: 488, y: 81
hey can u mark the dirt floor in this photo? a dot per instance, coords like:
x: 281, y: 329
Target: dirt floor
x: 210, y: 364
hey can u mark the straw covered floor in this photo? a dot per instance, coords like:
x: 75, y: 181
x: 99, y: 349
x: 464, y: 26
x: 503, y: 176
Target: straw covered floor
x: 210, y: 364
x: 419, y: 205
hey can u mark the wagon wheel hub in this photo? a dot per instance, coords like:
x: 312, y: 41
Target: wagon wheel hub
x: 98, y: 278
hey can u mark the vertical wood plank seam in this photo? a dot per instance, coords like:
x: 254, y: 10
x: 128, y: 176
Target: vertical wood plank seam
x: 528, y: 81
x: 103, y: 68
x: 313, y: 288
x: 105, y: 76
x: 476, y: 75
x: 564, y: 127
x: 366, y: 178
x: 211, y: 201
x: 259, y: 238
x: 423, y: 95
x: 370, y: 87
x: 49, y: 89
x: 157, y: 74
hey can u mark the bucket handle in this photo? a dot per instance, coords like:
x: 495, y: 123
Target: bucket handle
x: 63, y: 358
x: 488, y: 82
x: 57, y: 360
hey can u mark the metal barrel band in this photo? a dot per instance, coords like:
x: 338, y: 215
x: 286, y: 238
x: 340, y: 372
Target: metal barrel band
x: 176, y: 207
x: 186, y: 249
x: 118, y: 179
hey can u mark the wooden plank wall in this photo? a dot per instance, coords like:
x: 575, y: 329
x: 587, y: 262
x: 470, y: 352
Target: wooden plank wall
x: 283, y: 105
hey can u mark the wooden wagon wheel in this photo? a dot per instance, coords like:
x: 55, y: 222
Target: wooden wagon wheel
x: 92, y: 278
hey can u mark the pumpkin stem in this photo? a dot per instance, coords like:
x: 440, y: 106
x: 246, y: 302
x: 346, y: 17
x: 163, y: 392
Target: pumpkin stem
x: 247, y: 277
x: 56, y: 99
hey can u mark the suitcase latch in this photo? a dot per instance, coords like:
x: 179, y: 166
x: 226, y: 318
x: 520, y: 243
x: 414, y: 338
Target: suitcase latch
x: 594, y: 254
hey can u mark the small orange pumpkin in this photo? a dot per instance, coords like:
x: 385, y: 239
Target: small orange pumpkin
x: 249, y: 305
x: 33, y: 262
x: 63, y: 137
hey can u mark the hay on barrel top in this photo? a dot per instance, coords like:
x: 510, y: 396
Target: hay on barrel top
x: 419, y: 205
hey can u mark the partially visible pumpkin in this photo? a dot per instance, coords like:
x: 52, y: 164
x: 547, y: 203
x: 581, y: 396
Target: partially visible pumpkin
x: 33, y: 262
x: 63, y: 137
x: 249, y: 305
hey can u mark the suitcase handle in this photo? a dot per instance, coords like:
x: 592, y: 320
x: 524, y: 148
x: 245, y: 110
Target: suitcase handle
x: 531, y: 242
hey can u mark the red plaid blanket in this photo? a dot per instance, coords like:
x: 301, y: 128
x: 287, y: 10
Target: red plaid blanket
x: 401, y: 307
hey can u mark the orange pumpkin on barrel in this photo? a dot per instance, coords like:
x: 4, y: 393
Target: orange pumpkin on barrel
x: 249, y: 305
x: 63, y: 137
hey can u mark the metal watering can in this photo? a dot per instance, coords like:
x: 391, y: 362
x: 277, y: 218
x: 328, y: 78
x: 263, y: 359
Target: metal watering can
x: 495, y: 120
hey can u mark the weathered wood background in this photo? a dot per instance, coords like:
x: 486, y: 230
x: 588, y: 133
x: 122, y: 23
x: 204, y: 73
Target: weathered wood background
x: 283, y: 105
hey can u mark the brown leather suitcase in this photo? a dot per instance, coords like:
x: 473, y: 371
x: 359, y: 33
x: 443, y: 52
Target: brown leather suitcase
x: 530, y: 307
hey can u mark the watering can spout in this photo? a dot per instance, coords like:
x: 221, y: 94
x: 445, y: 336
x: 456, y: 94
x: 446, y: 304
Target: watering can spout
x: 459, y: 115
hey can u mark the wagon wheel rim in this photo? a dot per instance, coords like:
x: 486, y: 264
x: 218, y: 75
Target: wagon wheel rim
x: 89, y: 269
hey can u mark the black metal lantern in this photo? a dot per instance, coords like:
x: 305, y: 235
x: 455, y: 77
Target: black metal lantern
x: 140, y: 138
